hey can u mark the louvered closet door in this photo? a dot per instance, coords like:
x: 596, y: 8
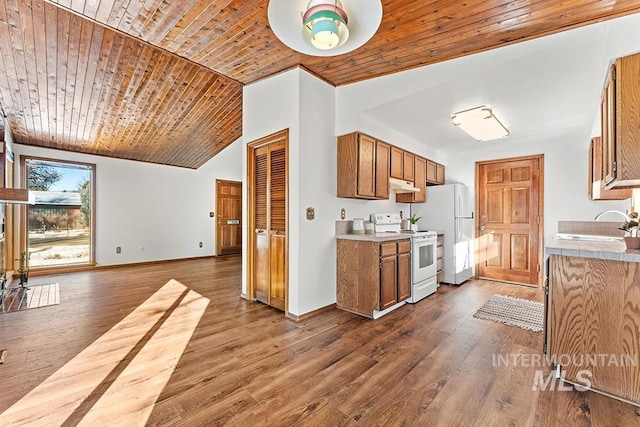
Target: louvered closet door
x: 278, y: 223
x: 261, y: 267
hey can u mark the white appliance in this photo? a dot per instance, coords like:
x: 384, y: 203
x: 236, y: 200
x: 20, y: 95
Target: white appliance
x: 423, y: 254
x: 449, y: 209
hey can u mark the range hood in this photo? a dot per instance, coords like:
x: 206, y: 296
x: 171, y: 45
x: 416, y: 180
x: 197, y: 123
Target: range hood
x: 400, y: 186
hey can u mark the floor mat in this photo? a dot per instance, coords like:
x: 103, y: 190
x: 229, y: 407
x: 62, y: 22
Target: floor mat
x: 513, y: 311
x: 33, y: 296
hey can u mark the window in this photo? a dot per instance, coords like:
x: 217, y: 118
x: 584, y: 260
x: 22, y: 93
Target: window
x: 59, y: 226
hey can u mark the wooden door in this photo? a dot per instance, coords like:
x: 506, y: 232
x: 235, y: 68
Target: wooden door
x: 261, y: 257
x: 366, y: 166
x: 404, y: 276
x: 431, y: 171
x: 383, y: 161
x: 407, y: 167
x: 277, y: 224
x: 388, y: 281
x: 268, y: 212
x: 229, y: 213
x: 608, y: 117
x: 397, y: 158
x: 508, y: 227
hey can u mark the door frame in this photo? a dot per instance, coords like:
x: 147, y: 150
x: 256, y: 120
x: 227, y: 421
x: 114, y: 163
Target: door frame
x: 251, y: 241
x: 217, y: 211
x: 541, y: 263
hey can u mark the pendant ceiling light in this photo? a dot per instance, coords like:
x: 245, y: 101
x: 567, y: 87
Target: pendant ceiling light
x: 324, y: 27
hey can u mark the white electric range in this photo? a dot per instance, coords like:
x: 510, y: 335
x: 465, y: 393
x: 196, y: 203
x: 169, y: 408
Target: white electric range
x: 423, y: 254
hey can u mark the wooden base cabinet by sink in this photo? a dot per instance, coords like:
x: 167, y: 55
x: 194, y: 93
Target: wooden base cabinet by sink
x: 593, y: 311
x: 372, y: 276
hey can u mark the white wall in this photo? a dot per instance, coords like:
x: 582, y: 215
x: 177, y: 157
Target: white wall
x: 565, y: 176
x: 306, y: 106
x: 162, y: 209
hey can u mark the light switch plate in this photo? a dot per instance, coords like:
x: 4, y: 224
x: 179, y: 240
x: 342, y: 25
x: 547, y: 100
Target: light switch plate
x: 311, y: 214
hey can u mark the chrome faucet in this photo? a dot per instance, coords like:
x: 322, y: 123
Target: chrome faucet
x: 622, y: 214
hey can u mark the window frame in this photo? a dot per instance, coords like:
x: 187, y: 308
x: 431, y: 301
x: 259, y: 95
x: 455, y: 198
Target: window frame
x: 23, y: 239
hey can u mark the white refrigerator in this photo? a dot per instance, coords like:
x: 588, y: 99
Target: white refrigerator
x: 449, y: 209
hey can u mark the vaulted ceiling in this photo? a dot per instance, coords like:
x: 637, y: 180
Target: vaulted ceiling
x: 161, y: 81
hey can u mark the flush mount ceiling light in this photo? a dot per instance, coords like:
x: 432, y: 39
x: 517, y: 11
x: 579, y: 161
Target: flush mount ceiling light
x: 480, y: 123
x: 324, y: 27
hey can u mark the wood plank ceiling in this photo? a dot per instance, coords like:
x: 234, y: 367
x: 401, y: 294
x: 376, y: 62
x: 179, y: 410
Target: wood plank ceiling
x: 161, y: 81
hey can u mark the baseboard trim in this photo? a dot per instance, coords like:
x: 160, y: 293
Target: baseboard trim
x: 306, y: 316
x: 89, y: 267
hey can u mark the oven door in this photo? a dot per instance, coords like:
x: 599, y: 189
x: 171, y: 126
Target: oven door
x: 423, y: 258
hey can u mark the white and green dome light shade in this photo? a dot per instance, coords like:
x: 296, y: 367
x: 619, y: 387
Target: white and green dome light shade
x: 329, y: 27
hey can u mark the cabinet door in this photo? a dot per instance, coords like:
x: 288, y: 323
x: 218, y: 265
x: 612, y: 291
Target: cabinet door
x: 404, y: 276
x: 366, y: 166
x: 408, y: 166
x: 420, y: 180
x: 396, y: 162
x: 388, y: 282
x: 383, y: 153
x: 608, y: 112
x: 431, y: 171
x: 261, y: 268
x: 439, y: 173
x: 596, y: 184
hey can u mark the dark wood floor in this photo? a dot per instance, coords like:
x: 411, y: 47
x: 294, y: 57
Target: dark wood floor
x: 245, y: 364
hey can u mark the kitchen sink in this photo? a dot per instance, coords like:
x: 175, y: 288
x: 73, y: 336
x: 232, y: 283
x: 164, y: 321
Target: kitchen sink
x: 588, y: 237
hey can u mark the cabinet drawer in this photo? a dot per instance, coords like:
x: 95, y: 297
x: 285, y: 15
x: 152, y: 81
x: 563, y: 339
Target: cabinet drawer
x: 440, y: 276
x: 387, y: 249
x: 404, y: 246
x: 440, y: 264
x: 440, y: 240
x: 440, y: 252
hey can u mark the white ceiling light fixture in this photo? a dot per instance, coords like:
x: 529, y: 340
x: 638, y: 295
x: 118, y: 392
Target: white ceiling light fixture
x: 324, y: 27
x: 480, y: 123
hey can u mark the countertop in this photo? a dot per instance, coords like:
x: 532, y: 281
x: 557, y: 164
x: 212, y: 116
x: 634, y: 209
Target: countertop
x: 375, y: 237
x: 616, y: 251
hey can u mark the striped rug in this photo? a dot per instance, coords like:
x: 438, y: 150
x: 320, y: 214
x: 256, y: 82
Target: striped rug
x: 512, y: 311
x: 33, y: 296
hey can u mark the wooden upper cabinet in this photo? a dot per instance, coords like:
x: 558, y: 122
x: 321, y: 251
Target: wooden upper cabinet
x: 397, y: 160
x: 435, y: 173
x: 420, y: 181
x: 439, y: 173
x: 621, y: 124
x: 408, y: 166
x: 363, y: 167
x: 431, y: 171
x: 383, y: 161
x: 366, y: 166
x: 596, y: 183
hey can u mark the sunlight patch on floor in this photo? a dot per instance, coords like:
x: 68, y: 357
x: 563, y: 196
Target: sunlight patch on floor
x: 84, y: 388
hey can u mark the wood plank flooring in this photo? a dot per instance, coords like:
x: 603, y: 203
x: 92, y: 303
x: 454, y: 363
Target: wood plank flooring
x: 124, y: 338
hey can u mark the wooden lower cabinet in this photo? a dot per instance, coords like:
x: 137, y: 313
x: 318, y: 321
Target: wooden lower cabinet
x: 593, y: 310
x: 372, y: 276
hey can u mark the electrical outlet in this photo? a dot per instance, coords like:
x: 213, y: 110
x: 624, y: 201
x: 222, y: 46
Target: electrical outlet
x: 212, y: 214
x: 118, y: 249
x: 343, y: 213
x: 311, y: 214
x: 200, y: 244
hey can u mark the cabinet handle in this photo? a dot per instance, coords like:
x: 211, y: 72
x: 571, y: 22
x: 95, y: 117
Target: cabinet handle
x: 482, y: 228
